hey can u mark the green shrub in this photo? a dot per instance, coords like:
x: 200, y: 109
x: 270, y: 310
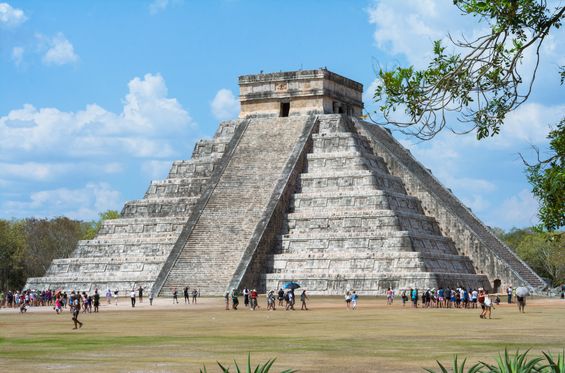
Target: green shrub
x: 265, y: 368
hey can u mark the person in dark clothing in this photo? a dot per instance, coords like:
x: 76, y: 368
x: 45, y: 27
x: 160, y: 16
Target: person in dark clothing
x: 186, y: 295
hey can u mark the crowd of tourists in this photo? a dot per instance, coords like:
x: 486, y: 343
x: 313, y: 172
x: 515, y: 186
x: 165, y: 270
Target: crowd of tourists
x: 284, y: 299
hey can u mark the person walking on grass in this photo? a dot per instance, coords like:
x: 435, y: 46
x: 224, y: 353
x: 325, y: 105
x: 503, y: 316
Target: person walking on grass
x: 488, y: 306
x: 481, y: 300
x: 186, y: 295
x: 521, y: 303
x: 234, y: 299
x: 132, y: 296
x: 303, y: 298
x: 96, y: 300
x: 75, y: 309
x: 354, y: 298
x: 140, y: 293
x: 281, y: 297
x: 348, y: 299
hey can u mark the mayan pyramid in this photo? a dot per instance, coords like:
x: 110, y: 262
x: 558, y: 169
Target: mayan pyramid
x: 299, y: 188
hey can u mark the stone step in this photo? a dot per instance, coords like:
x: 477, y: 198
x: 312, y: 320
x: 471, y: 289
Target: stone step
x: 99, y: 265
x: 305, y: 244
x: 371, y: 283
x: 159, y: 207
x: 338, y: 142
x: 348, y: 160
x: 237, y: 203
x: 186, y: 169
x: 372, y: 262
x: 142, y: 225
x: 359, y: 199
x: 350, y: 180
x: 192, y: 187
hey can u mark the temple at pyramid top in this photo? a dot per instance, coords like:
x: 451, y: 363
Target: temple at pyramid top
x: 300, y: 92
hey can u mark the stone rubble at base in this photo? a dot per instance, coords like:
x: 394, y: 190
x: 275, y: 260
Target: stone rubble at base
x: 297, y: 189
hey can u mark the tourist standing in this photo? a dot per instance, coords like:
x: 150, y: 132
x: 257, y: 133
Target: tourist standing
x: 253, y: 299
x: 303, y: 298
x: 96, y: 300
x: 175, y: 296
x: 281, y: 297
x: 132, y: 296
x: 488, y: 306
x: 116, y: 296
x: 194, y: 295
x: 151, y: 298
x: 186, y: 295
x: 414, y: 296
x: 481, y: 300
x: 290, y: 304
x: 109, y: 296
x: 389, y: 296
x: 354, y: 298
x: 75, y: 309
x: 246, y: 297
x: 348, y: 299
x: 140, y: 292
x: 509, y: 293
x: 234, y: 299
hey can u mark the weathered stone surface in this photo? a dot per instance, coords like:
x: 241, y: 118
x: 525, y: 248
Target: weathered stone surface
x: 297, y: 190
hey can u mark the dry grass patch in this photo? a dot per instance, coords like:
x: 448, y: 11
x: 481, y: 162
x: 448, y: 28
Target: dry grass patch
x: 328, y: 338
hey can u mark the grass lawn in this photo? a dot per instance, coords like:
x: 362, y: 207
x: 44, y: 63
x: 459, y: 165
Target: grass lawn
x: 328, y: 338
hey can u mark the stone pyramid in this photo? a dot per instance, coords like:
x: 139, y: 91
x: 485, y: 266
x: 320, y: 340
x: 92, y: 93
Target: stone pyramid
x: 297, y: 189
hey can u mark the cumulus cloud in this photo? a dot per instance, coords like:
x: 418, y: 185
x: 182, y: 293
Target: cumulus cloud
x: 11, y: 17
x: 157, y: 6
x: 57, y: 50
x: 83, y: 203
x: 225, y: 105
x: 155, y: 169
x: 143, y: 129
x: 519, y: 210
x: 17, y: 55
x: 406, y: 27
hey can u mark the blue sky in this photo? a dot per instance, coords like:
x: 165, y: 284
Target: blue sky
x: 97, y: 98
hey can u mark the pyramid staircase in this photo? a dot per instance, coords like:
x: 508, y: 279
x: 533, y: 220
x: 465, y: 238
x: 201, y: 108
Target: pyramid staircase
x: 352, y: 225
x: 130, y: 251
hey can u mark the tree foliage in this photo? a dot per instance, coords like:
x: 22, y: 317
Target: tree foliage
x: 542, y: 251
x: 95, y: 226
x: 28, y: 246
x: 548, y: 180
x: 482, y: 81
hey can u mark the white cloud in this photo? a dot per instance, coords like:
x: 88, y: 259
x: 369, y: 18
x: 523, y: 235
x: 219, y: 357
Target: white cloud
x: 84, y: 203
x: 225, y: 105
x: 409, y: 27
x: 17, y: 55
x: 156, y: 170
x: 11, y: 17
x: 519, y: 210
x: 144, y: 128
x: 34, y: 171
x: 59, y: 50
x: 157, y: 6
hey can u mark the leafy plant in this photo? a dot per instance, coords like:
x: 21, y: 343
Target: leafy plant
x: 515, y: 364
x: 555, y: 366
x: 458, y: 368
x: 261, y: 368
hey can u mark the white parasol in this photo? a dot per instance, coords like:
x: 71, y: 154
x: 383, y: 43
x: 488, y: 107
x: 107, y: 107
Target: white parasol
x: 522, y: 291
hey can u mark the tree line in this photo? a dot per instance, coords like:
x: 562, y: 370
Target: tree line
x: 28, y: 246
